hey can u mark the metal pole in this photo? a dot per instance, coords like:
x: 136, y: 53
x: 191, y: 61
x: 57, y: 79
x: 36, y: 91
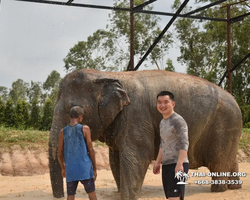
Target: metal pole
x: 229, y: 55
x: 131, y: 68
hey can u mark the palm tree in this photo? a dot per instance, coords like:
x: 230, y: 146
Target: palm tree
x: 178, y: 174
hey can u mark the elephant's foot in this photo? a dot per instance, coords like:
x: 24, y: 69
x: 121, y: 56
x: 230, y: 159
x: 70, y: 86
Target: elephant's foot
x: 58, y: 195
x: 235, y: 180
x: 234, y: 187
x: 218, y: 188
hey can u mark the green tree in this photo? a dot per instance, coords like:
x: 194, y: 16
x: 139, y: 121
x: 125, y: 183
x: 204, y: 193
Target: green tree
x: 19, y: 90
x: 34, y: 91
x: 47, y: 115
x: 35, y: 115
x: 204, y: 47
x: 2, y: 108
x: 4, y: 93
x: 9, y: 113
x: 52, y: 81
x: 26, y: 115
x: 109, y: 49
x: 51, y: 85
x: 95, y: 53
x: 170, y: 66
x: 18, y: 116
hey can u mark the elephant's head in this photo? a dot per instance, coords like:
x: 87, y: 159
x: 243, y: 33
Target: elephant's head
x: 101, y: 98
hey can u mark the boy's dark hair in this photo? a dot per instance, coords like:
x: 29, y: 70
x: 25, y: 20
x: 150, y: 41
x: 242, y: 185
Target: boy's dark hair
x: 164, y: 93
x: 75, y: 112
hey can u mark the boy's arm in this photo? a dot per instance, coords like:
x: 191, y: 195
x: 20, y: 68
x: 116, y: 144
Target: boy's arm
x: 87, y: 135
x: 61, y: 152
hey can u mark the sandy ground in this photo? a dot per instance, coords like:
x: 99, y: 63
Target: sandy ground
x: 38, y: 187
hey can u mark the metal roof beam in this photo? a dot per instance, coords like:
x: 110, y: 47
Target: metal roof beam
x: 182, y: 15
x: 123, y: 9
x: 69, y: 2
x: 76, y: 5
x: 239, y: 18
x: 204, y: 7
x: 237, y: 65
x: 161, y: 34
x: 140, y: 7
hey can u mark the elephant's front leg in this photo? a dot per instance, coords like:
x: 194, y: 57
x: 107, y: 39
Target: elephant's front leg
x: 55, y: 176
x: 115, y: 166
x: 133, y: 167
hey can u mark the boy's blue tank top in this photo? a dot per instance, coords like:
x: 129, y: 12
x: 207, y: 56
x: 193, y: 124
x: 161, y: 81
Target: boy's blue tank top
x: 78, y: 164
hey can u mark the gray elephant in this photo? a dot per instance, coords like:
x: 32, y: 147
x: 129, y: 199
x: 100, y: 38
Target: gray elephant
x: 120, y: 108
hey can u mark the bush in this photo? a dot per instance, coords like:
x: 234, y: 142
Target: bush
x: 245, y: 110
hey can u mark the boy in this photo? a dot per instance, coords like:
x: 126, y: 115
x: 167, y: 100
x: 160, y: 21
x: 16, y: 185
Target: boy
x: 76, y: 155
x: 173, y: 148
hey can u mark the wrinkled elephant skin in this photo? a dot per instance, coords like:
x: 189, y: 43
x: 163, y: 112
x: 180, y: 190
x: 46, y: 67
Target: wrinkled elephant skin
x: 120, y: 108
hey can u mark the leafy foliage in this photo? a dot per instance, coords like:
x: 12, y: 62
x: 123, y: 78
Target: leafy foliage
x: 35, y: 114
x: 2, y: 109
x: 19, y: 115
x: 19, y: 90
x: 4, y: 93
x: 109, y: 49
x: 47, y: 115
x: 52, y: 80
x: 9, y: 113
x: 34, y: 91
x: 203, y: 47
x: 170, y: 66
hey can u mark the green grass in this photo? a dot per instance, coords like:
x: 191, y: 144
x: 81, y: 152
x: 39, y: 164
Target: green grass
x: 27, y: 138
x: 35, y: 138
x: 245, y: 139
x: 23, y: 138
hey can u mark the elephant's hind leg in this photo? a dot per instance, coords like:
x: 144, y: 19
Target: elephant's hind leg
x: 225, y: 173
x: 234, y: 178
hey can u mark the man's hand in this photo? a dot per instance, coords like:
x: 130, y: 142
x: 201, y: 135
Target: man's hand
x: 157, y: 168
x: 179, y: 167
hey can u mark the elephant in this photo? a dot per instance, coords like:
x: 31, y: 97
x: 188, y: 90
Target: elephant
x: 120, y: 109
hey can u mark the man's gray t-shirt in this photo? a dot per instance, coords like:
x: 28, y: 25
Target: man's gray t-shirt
x: 174, y: 137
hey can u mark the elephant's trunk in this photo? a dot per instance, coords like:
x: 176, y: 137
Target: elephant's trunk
x: 54, y: 166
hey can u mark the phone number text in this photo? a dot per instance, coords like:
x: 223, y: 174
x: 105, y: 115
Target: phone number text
x: 218, y: 182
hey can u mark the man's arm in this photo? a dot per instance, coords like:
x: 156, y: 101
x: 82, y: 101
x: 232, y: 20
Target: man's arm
x: 87, y: 135
x: 182, y: 134
x: 181, y: 158
x: 61, y: 152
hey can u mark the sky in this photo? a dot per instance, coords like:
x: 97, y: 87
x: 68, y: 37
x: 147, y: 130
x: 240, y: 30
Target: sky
x: 35, y: 37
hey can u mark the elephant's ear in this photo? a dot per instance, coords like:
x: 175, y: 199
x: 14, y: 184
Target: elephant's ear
x: 111, y: 100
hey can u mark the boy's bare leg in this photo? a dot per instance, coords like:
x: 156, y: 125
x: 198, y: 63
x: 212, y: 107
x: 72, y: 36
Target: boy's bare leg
x: 174, y: 198
x: 71, y: 197
x: 92, y: 196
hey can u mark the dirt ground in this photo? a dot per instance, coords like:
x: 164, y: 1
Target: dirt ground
x: 27, y: 187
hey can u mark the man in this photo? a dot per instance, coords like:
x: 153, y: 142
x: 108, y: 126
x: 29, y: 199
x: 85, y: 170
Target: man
x: 173, y: 147
x: 76, y: 155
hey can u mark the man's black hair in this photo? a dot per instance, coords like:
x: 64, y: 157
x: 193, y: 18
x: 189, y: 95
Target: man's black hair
x: 75, y: 112
x: 164, y: 93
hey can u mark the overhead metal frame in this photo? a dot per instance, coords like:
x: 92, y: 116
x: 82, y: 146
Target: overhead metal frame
x: 139, y: 9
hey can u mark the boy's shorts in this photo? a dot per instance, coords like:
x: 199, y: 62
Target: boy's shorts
x: 89, y: 186
x: 171, y: 188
